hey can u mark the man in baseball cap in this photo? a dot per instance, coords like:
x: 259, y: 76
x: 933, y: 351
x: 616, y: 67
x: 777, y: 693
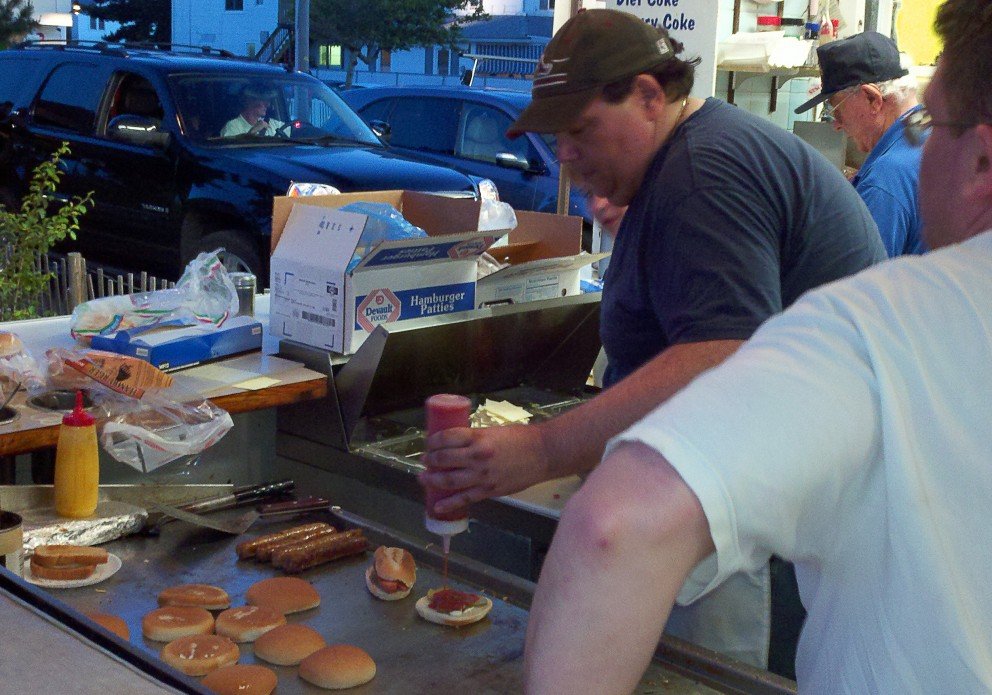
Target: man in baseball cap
x: 870, y: 95
x: 730, y: 219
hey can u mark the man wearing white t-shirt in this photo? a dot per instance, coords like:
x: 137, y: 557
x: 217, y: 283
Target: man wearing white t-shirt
x: 851, y: 435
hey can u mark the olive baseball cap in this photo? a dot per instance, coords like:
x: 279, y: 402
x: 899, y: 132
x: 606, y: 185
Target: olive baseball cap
x: 591, y: 50
x: 864, y: 58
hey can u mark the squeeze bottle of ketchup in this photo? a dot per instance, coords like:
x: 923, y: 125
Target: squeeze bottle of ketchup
x: 77, y: 464
x: 445, y: 411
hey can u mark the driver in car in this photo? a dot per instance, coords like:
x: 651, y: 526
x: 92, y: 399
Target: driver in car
x: 255, y: 103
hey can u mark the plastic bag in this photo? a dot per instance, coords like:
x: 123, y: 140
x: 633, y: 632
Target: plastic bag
x: 18, y: 368
x: 496, y: 215
x: 162, y: 429
x: 204, y: 294
x: 385, y: 223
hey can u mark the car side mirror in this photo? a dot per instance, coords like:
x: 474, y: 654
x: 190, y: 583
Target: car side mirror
x: 138, y: 130
x: 512, y: 161
x: 382, y: 129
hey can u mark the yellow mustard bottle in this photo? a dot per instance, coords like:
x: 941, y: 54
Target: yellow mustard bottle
x: 77, y: 464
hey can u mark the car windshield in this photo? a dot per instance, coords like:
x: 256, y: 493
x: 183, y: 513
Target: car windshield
x: 221, y: 109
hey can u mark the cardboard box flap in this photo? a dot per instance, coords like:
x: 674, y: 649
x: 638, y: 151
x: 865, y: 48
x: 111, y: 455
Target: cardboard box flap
x: 334, y: 232
x: 428, y: 249
x: 546, y: 265
x: 550, y: 235
x: 514, y: 253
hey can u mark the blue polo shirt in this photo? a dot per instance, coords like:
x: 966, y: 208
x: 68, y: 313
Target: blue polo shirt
x: 889, y: 183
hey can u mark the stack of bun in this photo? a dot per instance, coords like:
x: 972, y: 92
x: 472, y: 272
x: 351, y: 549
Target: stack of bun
x: 66, y: 562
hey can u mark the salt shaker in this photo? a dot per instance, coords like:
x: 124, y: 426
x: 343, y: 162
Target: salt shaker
x: 244, y: 284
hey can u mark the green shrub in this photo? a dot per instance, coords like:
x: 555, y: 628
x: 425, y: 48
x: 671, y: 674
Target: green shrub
x: 27, y: 234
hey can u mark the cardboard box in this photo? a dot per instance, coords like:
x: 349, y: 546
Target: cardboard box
x: 545, y: 261
x: 170, y: 346
x: 316, y: 302
x: 314, y: 298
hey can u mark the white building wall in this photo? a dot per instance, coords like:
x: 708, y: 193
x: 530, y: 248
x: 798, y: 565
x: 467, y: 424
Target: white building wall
x: 206, y: 22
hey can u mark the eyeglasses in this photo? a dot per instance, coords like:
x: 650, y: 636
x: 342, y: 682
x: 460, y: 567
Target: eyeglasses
x: 918, y: 124
x: 831, y: 111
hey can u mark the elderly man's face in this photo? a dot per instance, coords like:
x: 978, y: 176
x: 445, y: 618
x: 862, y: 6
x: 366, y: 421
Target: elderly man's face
x: 255, y: 109
x: 608, y: 147
x: 852, y: 112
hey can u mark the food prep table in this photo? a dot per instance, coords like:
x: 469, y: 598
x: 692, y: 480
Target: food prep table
x: 412, y: 656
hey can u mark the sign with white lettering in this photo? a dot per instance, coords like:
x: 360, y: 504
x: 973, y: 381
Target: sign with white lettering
x: 693, y: 23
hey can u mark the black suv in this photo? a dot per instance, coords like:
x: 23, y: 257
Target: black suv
x: 160, y: 138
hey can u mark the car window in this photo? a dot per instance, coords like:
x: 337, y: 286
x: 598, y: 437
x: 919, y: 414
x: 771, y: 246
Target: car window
x: 482, y: 135
x: 70, y: 98
x: 425, y: 124
x: 377, y: 110
x: 211, y: 108
x: 135, y: 96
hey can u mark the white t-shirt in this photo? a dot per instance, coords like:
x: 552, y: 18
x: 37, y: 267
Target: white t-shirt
x: 853, y: 436
x: 239, y: 125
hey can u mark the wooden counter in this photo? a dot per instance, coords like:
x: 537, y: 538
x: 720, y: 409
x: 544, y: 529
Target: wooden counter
x: 251, y: 381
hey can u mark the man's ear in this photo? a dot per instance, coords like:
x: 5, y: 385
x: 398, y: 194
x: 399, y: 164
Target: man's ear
x: 874, y: 96
x: 981, y: 186
x: 649, y: 94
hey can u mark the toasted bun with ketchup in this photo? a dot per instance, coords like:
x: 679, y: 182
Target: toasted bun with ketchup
x: 453, y: 608
x: 392, y: 574
x: 10, y: 344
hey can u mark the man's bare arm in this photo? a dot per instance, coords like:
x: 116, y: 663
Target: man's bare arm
x: 625, y: 545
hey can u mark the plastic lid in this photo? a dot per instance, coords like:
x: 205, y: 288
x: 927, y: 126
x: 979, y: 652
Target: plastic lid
x: 792, y: 21
x: 769, y: 20
x: 78, y: 417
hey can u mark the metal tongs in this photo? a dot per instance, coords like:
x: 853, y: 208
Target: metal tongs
x: 241, y: 523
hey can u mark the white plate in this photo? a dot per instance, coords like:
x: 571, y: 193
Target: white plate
x: 107, y: 569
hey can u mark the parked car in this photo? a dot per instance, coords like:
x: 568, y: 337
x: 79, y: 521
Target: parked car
x: 144, y: 127
x: 465, y: 128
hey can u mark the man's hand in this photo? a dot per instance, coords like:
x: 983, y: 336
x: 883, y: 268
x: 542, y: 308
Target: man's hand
x: 483, y: 462
x: 259, y: 128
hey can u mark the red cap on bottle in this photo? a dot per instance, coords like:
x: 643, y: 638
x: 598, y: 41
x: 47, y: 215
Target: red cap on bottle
x: 78, y: 417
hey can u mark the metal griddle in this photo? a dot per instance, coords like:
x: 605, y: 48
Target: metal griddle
x: 412, y: 656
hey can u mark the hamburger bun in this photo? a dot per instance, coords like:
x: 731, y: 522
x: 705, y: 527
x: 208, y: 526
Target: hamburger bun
x: 338, y: 667
x: 68, y: 555
x: 392, y: 574
x: 283, y: 594
x: 212, y: 598
x: 241, y: 679
x: 288, y: 645
x: 170, y: 622
x: 64, y: 573
x: 472, y: 614
x: 198, y: 655
x: 111, y: 623
x: 10, y: 344
x: 248, y: 623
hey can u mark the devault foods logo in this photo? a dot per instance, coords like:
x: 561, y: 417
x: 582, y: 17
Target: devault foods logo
x: 379, y: 306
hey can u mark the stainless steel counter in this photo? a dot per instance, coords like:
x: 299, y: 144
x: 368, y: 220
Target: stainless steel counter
x: 412, y: 656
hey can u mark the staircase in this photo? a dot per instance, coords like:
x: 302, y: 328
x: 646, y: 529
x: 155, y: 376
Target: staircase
x: 277, y: 46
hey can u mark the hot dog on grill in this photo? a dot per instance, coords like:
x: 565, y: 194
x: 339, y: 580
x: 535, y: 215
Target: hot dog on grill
x: 323, y: 550
x: 246, y: 549
x: 266, y: 551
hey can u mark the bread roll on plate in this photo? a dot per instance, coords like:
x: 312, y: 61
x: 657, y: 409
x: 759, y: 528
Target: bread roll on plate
x: 198, y: 655
x: 288, y: 645
x: 241, y: 679
x: 392, y: 574
x: 212, y: 598
x: 170, y: 622
x: 338, y: 667
x: 248, y: 623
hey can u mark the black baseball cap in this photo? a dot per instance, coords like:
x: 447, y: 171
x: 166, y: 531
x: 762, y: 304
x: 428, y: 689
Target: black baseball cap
x: 861, y: 59
x: 591, y: 50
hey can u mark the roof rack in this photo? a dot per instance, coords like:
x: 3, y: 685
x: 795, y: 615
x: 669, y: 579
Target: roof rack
x: 124, y: 48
